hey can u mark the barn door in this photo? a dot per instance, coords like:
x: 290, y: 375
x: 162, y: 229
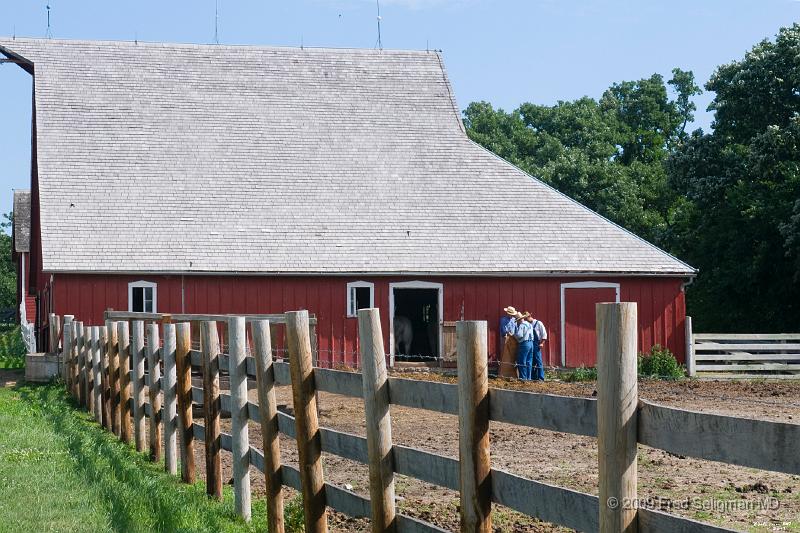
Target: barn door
x: 449, y: 341
x: 580, y: 339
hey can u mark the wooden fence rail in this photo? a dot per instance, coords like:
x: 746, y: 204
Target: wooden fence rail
x: 758, y: 444
x: 744, y: 356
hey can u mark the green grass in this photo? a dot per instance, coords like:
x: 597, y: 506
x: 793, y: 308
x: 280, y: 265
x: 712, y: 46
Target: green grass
x: 12, y: 348
x: 59, y: 471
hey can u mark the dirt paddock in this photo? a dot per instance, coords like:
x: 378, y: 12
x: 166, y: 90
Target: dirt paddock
x: 735, y: 497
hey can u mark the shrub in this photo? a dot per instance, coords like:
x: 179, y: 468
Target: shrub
x: 12, y: 349
x: 581, y: 373
x: 659, y: 363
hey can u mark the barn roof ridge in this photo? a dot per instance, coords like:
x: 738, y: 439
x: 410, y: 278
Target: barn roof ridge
x: 220, y: 158
x: 164, y: 44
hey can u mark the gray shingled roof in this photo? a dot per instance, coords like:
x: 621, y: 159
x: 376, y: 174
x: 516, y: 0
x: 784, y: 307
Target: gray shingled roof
x: 22, y: 221
x: 174, y: 158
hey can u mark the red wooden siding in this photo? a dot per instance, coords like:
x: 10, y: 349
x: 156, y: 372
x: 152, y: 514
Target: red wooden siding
x: 580, y: 323
x: 661, y: 303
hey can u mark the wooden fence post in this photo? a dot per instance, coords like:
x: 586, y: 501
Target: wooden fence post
x: 237, y: 370
x: 307, y: 426
x: 97, y: 383
x: 154, y: 391
x: 113, y: 375
x: 169, y: 387
x: 65, y: 349
x: 211, y: 408
x: 378, y: 420
x: 75, y: 377
x: 617, y: 400
x: 124, y: 355
x: 66, y: 353
x: 690, y: 366
x: 53, y: 328
x: 89, y: 382
x: 137, y: 353
x: 183, y: 361
x: 104, y: 379
x: 473, y: 426
x: 81, y: 397
x: 268, y: 410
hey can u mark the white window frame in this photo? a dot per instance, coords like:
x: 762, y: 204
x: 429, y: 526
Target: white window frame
x: 143, y: 285
x: 352, y: 312
x: 579, y: 285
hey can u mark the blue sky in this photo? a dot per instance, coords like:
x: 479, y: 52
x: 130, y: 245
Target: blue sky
x: 502, y: 51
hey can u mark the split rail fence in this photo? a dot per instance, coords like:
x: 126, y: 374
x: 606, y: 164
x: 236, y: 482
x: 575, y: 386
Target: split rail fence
x: 107, y: 368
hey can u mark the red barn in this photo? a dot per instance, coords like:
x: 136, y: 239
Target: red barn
x: 233, y: 179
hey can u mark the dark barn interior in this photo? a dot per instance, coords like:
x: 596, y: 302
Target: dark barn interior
x: 421, y: 307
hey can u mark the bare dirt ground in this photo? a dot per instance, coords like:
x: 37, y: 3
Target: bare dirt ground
x: 735, y: 497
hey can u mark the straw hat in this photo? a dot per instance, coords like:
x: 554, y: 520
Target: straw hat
x: 519, y: 316
x: 510, y: 310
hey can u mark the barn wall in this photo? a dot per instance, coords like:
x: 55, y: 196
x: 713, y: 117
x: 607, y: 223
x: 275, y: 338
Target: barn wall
x: 661, y: 303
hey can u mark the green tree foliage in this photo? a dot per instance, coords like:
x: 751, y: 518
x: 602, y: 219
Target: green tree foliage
x: 738, y: 220
x: 608, y: 154
x: 8, y: 271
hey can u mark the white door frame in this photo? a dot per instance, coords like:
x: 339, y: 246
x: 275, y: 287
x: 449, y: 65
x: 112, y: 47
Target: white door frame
x: 578, y: 285
x: 413, y: 285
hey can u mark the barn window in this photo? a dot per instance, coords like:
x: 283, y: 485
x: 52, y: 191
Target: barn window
x: 142, y: 297
x: 360, y: 295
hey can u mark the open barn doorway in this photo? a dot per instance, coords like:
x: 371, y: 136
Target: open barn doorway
x: 415, y: 321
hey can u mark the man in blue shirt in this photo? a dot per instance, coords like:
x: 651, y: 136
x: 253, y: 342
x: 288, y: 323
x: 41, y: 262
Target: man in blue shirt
x: 539, y: 337
x: 524, y: 335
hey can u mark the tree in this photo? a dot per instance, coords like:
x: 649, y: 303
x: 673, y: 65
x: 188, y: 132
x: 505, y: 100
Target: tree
x: 8, y: 271
x: 739, y: 217
x: 606, y: 154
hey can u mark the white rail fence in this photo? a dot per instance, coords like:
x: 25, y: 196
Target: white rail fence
x: 744, y: 356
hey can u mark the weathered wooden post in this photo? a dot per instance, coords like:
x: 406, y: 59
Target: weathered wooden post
x: 307, y: 426
x: 137, y: 353
x: 97, y: 383
x: 124, y: 351
x: 690, y: 365
x: 113, y: 375
x: 53, y: 330
x: 170, y: 389
x: 473, y: 427
x: 87, y: 350
x: 81, y: 397
x: 211, y: 407
x: 154, y: 391
x: 378, y: 420
x: 65, y: 349
x: 268, y: 410
x: 617, y: 400
x: 104, y: 379
x: 66, y: 352
x: 237, y: 345
x: 183, y: 361
x: 75, y: 378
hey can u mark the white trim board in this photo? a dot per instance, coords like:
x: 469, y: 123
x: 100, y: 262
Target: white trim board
x: 578, y: 285
x: 414, y: 285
